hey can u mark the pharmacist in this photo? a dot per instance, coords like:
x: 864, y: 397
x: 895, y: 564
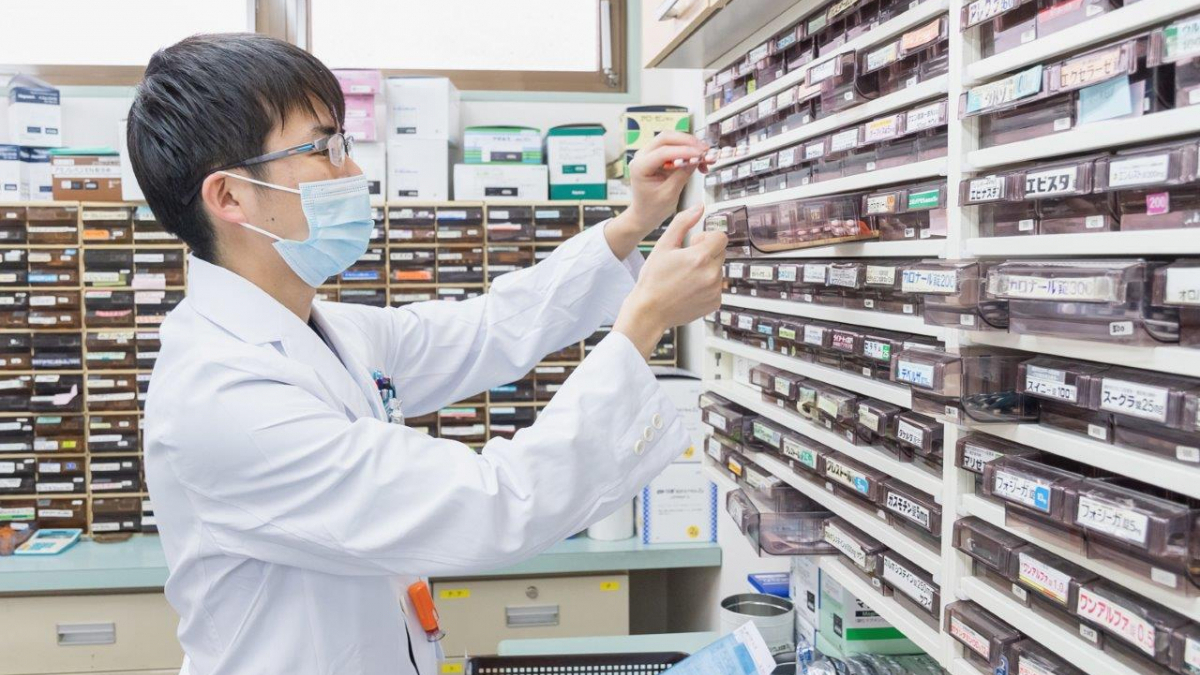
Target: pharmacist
x: 295, y: 507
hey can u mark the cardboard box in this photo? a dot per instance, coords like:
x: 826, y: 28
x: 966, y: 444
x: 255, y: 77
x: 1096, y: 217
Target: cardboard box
x: 478, y: 182
x: 502, y: 145
x: 423, y: 107
x: 360, y: 117
x: 806, y: 589
x: 34, y: 113
x: 10, y: 174
x: 359, y: 81
x: 683, y: 388
x: 130, y: 190
x: 372, y: 159
x: 643, y: 123
x: 418, y: 168
x: 854, y: 628
x: 37, y: 183
x: 575, y: 154
x: 86, y: 177
x: 680, y: 505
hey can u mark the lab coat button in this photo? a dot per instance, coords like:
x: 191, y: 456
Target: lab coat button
x: 656, y: 421
x: 639, y: 447
x: 647, y: 434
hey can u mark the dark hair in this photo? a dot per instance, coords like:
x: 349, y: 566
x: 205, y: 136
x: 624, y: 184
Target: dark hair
x: 210, y: 101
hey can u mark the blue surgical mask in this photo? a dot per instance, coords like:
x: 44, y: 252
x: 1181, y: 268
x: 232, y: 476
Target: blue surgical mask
x: 339, y: 227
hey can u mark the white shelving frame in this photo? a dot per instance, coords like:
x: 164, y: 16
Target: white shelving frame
x: 955, y: 489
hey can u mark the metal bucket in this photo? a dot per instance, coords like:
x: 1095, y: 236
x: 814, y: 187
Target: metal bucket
x: 775, y: 618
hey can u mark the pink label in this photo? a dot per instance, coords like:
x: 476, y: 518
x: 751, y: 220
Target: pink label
x: 1158, y: 203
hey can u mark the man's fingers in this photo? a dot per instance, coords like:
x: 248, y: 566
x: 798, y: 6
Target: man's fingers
x: 679, y: 227
x: 713, y: 244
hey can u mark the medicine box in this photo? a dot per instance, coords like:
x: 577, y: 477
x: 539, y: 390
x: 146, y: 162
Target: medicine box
x: 683, y: 388
x: 806, y: 590
x: 642, y: 123
x: 418, y: 168
x: 575, y: 154
x: 478, y: 182
x: 853, y: 627
x: 36, y: 182
x: 86, y: 177
x: 34, y: 113
x: 502, y: 145
x: 10, y: 173
x: 423, y: 107
x: 678, y: 506
x: 372, y: 159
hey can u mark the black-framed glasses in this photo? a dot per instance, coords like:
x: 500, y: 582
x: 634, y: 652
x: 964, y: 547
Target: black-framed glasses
x: 339, y: 146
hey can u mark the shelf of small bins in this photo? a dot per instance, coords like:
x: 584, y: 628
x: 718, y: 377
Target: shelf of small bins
x: 912, y: 18
x: 861, y: 113
x: 1182, y: 241
x: 902, y: 323
x: 1065, y: 643
x: 1094, y: 136
x: 924, y: 555
x: 1168, y: 359
x: 992, y: 512
x: 884, y: 391
x: 1090, y: 33
x: 914, y: 628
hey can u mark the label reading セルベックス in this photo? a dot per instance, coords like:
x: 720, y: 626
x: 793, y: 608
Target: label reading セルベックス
x: 1120, y: 620
x: 1113, y: 520
x: 1135, y: 399
x: 1044, y: 579
x: 1031, y: 493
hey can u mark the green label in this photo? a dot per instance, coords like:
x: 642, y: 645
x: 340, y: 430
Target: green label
x: 1181, y: 39
x: 787, y: 333
x: 807, y: 458
x: 923, y: 200
x: 574, y: 168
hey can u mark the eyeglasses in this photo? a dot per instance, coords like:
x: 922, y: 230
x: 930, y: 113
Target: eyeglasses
x: 339, y: 146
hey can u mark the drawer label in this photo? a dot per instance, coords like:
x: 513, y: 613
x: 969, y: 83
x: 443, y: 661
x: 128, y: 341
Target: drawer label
x: 971, y: 638
x: 1044, y: 579
x: 786, y: 272
x: 881, y: 204
x: 1139, y: 171
x: 716, y: 420
x: 905, y: 581
x: 847, y: 476
x: 1118, y: 619
x: 454, y: 594
x: 909, y: 433
x: 1092, y: 68
x: 1031, y: 493
x: 1050, y: 182
x: 1179, y: 40
x: 942, y: 282
x: 814, y: 274
x: 898, y: 503
x: 1015, y: 87
x: 1183, y: 286
x: 766, y: 434
x: 1122, y: 523
x: 883, y: 56
x: 1135, y: 399
x: 762, y: 272
x: 879, y: 275
x: 882, y: 129
x: 919, y: 374
x: 845, y: 140
x: 880, y: 351
x: 837, y: 538
x: 1080, y: 289
x: 843, y: 276
x: 974, y: 457
x: 982, y: 10
x: 926, y: 117
x: 868, y: 419
x: 814, y: 335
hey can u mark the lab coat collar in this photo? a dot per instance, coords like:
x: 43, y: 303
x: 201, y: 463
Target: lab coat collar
x: 237, y: 305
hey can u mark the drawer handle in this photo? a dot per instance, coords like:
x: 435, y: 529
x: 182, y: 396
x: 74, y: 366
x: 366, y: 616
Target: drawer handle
x: 74, y: 634
x: 531, y: 617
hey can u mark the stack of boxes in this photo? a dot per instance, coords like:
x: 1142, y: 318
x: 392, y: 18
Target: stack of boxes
x: 501, y: 162
x: 34, y: 126
x: 423, y: 129
x: 361, y: 89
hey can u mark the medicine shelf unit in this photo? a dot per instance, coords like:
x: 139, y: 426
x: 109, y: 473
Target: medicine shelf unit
x: 965, y: 159
x: 84, y: 240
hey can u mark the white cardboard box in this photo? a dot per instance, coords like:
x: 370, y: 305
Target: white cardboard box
x: 806, y: 590
x: 423, y: 107
x: 679, y: 506
x: 372, y: 159
x: 683, y: 388
x: 34, y: 113
x: 10, y: 174
x: 479, y: 182
x: 37, y: 183
x: 418, y: 168
x: 130, y: 190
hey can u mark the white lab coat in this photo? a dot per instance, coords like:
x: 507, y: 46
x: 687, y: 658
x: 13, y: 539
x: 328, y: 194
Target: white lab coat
x: 294, y: 517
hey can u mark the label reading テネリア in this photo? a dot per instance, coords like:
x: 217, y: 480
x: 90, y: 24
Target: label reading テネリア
x: 846, y: 476
x: 906, y: 582
x: 910, y: 433
x: 974, y: 457
x: 898, y: 503
x: 1122, y: 621
x: 1050, y: 182
x: 919, y: 374
x: 1032, y: 493
x: 1113, y: 520
x: 929, y: 281
x: 1139, y: 171
x: 1183, y: 286
x: 1135, y: 399
x: 1044, y: 579
x: 971, y: 638
x: 842, y: 542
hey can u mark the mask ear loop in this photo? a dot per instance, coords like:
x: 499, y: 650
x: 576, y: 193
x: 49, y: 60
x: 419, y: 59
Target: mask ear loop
x: 264, y: 184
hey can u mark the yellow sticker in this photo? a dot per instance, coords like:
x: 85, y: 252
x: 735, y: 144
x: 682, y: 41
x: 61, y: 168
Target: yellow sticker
x: 455, y: 594
x: 693, y: 531
x: 610, y: 585
x: 452, y: 667
x: 687, y: 454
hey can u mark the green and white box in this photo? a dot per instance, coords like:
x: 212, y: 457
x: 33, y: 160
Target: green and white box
x: 502, y: 145
x: 575, y: 153
x: 854, y: 628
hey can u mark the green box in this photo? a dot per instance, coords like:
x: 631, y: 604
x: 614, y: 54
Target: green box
x: 502, y: 145
x: 575, y: 153
x: 852, y: 627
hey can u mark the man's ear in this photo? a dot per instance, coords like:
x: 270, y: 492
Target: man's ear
x: 222, y: 196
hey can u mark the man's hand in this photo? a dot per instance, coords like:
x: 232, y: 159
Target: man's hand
x: 677, y: 285
x: 656, y: 190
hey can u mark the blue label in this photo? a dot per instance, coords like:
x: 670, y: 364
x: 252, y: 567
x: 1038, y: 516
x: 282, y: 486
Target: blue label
x: 1041, y: 499
x: 360, y: 275
x: 43, y: 278
x: 860, y: 484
